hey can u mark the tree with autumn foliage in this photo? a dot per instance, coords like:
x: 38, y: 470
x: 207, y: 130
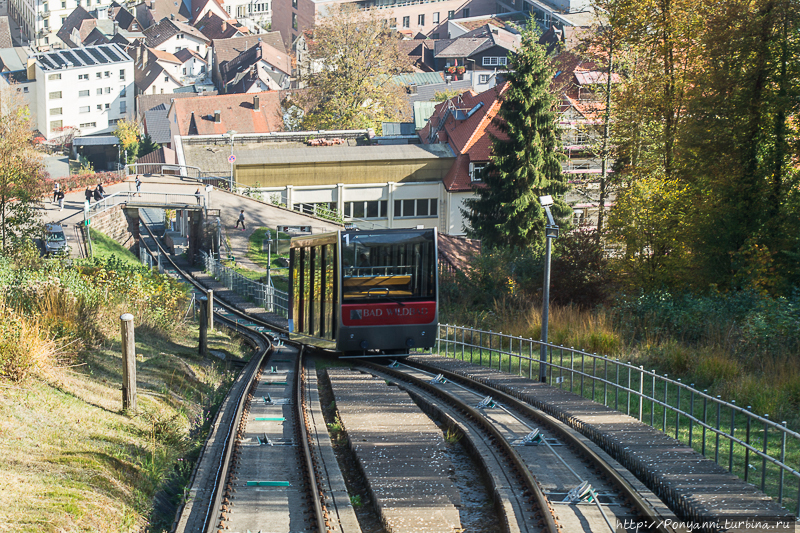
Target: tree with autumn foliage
x: 353, y: 89
x: 22, y: 177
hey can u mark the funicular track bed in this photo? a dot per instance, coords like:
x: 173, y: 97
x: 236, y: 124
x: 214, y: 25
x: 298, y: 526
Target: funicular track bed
x: 404, y: 459
x: 259, y: 470
x: 557, y: 465
x: 703, y: 495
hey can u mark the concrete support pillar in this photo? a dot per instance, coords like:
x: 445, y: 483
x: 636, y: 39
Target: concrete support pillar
x: 390, y: 187
x: 195, y: 232
x: 340, y: 197
x: 132, y: 216
x: 289, y: 197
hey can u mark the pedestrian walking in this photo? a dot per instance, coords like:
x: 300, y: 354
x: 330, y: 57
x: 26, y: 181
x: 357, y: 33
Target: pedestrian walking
x: 241, y: 220
x: 138, y: 185
x: 88, y: 194
x: 56, y: 190
x: 60, y: 196
x: 198, y: 195
x: 97, y: 195
x: 101, y: 189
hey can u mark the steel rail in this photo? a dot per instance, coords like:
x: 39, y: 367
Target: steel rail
x: 641, y: 505
x: 215, y: 503
x: 528, y: 479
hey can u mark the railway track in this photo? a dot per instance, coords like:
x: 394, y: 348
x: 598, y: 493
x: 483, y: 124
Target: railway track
x: 259, y: 453
x: 569, y: 484
x: 264, y: 452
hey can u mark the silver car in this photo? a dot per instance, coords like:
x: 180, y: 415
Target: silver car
x: 54, y: 239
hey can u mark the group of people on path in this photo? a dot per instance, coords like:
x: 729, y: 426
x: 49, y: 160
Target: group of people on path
x: 97, y: 194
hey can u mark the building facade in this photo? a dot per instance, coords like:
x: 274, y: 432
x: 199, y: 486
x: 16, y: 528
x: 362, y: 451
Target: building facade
x: 89, y: 88
x: 40, y: 20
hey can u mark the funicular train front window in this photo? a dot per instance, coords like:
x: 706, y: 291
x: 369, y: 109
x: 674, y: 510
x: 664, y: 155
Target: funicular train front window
x: 393, y: 266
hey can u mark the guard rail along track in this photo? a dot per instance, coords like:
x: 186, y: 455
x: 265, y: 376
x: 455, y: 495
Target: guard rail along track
x: 260, y: 337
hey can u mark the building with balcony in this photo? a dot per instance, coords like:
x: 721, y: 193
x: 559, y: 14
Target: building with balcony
x: 40, y: 20
x: 88, y: 88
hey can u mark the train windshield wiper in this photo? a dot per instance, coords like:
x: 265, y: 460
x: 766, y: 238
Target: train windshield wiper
x: 395, y: 300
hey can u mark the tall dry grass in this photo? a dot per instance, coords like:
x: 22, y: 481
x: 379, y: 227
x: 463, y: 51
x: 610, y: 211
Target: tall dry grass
x: 570, y: 325
x: 26, y: 348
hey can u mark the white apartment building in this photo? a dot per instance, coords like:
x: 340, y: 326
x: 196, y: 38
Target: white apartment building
x: 89, y: 88
x: 40, y: 20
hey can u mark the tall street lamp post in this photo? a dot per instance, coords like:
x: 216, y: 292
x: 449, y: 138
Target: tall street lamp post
x: 550, y: 233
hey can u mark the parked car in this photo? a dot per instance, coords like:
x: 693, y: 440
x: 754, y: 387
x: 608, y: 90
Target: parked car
x: 55, y: 241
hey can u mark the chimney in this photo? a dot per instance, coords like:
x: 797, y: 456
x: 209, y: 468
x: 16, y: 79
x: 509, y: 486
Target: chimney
x: 172, y: 16
x: 224, y: 25
x: 255, y: 103
x: 217, y: 117
x: 116, y: 27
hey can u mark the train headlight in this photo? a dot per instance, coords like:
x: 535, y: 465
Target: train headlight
x: 364, y: 345
x: 410, y: 342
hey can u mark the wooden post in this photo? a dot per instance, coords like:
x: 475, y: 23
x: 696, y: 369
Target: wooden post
x: 210, y: 295
x: 203, y: 349
x: 128, y: 363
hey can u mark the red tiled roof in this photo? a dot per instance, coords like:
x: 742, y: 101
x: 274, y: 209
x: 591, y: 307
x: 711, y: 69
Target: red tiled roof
x: 236, y: 113
x: 469, y: 138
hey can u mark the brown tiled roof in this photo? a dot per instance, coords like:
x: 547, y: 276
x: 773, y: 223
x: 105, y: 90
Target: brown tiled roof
x: 160, y: 33
x: 79, y: 19
x: 5, y: 33
x: 196, y: 115
x: 495, y: 20
x: 144, y: 77
x: 228, y: 49
x: 164, y: 56
x: 213, y: 27
x: 259, y: 51
x: 468, y: 136
x: 166, y: 9
x: 199, y: 5
x: 146, y: 102
x: 124, y: 18
x: 457, y: 252
x: 185, y: 54
x: 162, y: 155
x: 95, y: 37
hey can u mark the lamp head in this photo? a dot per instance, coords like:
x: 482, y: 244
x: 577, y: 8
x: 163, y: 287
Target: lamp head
x: 546, y: 200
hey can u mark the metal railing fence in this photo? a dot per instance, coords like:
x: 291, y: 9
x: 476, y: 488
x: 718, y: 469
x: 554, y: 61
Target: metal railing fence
x: 268, y: 297
x: 144, y: 198
x: 757, y: 449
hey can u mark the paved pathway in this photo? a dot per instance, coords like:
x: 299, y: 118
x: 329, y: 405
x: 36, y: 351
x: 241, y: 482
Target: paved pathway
x: 257, y: 214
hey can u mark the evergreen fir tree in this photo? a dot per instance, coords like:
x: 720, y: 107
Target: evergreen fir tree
x: 526, y: 159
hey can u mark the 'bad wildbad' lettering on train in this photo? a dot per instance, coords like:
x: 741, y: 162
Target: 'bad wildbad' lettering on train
x: 388, y: 313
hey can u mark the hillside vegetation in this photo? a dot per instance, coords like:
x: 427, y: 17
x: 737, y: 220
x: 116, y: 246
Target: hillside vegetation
x: 70, y: 459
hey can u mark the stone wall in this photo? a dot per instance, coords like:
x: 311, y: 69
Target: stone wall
x: 114, y: 223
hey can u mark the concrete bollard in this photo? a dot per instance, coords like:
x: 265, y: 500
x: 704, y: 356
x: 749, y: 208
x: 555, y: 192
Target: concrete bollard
x: 128, y: 363
x: 203, y: 349
x: 210, y: 296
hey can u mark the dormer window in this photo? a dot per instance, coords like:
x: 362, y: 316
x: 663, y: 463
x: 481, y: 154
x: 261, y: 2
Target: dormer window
x: 476, y: 171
